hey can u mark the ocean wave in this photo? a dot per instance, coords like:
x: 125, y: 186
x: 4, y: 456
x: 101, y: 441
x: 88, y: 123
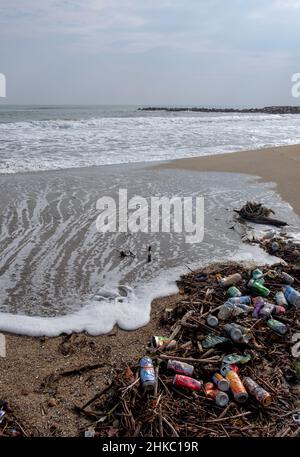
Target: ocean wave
x: 32, y: 145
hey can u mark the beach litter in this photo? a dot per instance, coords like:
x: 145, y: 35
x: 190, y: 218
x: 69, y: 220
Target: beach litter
x: 256, y: 212
x: 236, y: 375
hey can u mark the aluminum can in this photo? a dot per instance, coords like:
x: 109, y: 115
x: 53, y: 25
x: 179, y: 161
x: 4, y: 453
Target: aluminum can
x: 220, y: 398
x: 180, y: 367
x: 261, y: 395
x: 187, y: 383
x: 236, y: 386
x: 234, y: 292
x: 147, y: 373
x: 221, y: 382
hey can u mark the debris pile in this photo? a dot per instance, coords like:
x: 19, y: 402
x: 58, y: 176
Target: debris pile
x: 283, y: 247
x: 227, y: 364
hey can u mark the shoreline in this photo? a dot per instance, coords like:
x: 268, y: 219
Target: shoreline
x: 280, y: 165
x: 47, y: 411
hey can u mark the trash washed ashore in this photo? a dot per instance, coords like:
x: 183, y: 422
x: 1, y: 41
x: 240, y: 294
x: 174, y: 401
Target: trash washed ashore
x: 226, y: 360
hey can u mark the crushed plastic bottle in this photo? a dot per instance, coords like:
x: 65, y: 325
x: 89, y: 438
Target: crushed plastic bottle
x: 214, y: 340
x: 233, y: 308
x: 237, y: 333
x: 236, y: 358
x: 277, y: 326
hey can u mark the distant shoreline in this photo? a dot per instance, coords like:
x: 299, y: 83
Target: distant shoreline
x: 264, y: 110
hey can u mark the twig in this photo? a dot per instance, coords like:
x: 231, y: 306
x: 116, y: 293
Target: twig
x: 228, y: 417
x: 171, y: 426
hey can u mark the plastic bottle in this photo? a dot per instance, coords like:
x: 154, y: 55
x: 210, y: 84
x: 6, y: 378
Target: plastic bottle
x: 220, y: 398
x: 227, y: 310
x: 213, y: 340
x: 280, y: 299
x: 230, y: 280
x: 237, y: 333
x: 147, y: 373
x: 266, y: 311
x: 277, y: 326
x: 292, y: 295
x: 212, y: 321
x: 234, y: 332
x: 230, y: 309
x: 259, y: 303
x: 288, y: 279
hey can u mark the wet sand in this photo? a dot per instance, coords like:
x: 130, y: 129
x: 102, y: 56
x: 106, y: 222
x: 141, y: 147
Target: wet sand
x: 280, y: 165
x: 45, y: 410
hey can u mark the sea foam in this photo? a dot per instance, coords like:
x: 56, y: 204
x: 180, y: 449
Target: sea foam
x: 109, y: 307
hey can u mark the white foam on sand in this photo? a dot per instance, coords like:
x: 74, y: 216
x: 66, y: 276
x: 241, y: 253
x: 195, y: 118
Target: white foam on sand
x: 129, y: 310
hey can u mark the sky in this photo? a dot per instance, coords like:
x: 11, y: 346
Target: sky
x: 157, y: 52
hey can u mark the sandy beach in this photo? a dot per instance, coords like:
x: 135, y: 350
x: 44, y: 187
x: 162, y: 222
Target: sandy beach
x: 45, y: 411
x: 280, y: 165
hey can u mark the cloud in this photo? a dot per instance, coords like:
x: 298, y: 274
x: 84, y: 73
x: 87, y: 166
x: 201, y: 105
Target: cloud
x: 181, y: 43
x: 287, y: 4
x: 68, y: 17
x: 139, y: 26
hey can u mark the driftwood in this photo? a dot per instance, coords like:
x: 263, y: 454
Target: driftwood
x: 256, y: 212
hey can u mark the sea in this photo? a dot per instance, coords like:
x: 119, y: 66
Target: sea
x: 36, y: 138
x: 58, y: 273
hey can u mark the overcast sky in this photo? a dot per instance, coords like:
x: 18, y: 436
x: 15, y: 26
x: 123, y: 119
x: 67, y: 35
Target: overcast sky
x: 190, y: 52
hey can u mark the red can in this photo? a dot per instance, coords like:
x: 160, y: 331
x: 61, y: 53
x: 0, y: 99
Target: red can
x: 187, y: 383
